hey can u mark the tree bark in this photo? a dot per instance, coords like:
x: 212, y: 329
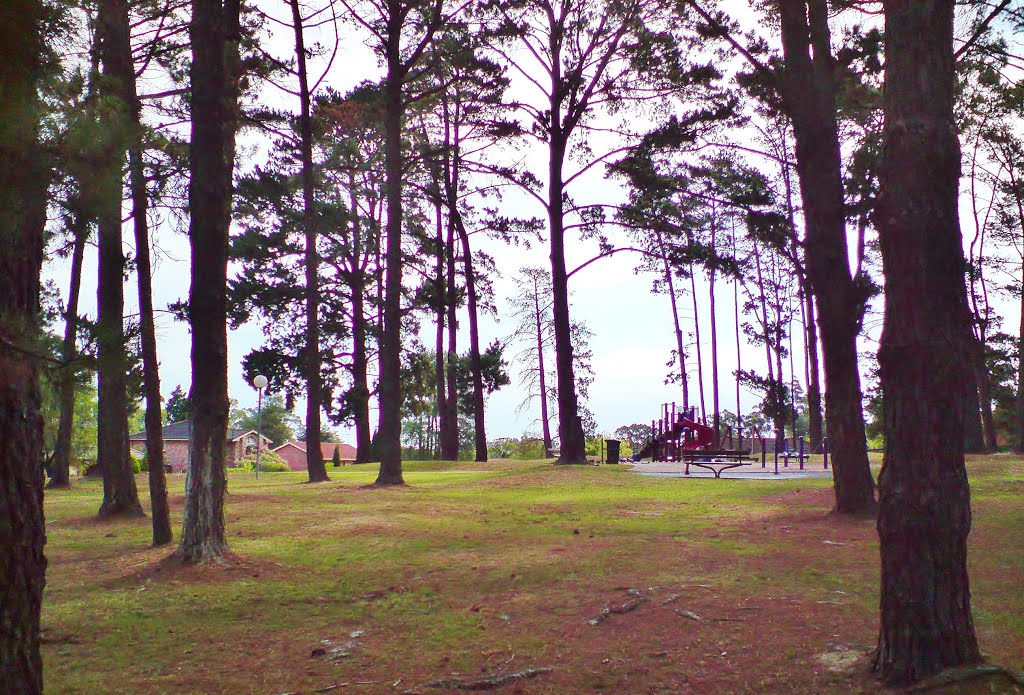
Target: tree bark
x: 214, y: 34
x: 390, y: 382
x: 475, y: 362
x: 572, y: 444
x: 60, y: 475
x: 450, y: 438
x: 545, y: 418
x: 120, y: 494
x: 440, y: 383
x: 315, y: 467
x: 974, y: 435
x: 985, y: 398
x: 814, y: 420
x: 712, y: 272
x: 696, y: 346
x: 360, y: 385
x: 680, y: 346
x: 808, y: 90
x: 159, y: 508
x: 925, y: 514
x: 24, y: 177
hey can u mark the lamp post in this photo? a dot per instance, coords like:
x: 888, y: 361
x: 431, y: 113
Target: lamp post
x: 260, y: 382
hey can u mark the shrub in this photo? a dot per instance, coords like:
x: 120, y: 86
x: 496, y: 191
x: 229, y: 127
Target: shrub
x: 269, y: 463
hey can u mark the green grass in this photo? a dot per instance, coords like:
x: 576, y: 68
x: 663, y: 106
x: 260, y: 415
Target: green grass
x: 473, y: 567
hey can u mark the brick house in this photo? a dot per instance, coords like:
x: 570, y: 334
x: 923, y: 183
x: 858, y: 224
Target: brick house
x: 294, y: 453
x: 176, y: 435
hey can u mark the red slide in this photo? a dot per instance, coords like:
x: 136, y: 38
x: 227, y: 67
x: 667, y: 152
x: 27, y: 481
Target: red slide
x: 699, y: 437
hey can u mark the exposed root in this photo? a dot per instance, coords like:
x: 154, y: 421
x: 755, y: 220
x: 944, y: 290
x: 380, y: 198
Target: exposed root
x: 1006, y: 680
x: 486, y: 683
x: 631, y: 605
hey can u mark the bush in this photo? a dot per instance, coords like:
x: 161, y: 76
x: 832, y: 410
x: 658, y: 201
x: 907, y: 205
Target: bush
x: 269, y: 463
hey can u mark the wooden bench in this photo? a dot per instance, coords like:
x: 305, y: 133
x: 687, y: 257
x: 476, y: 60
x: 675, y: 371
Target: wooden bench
x: 715, y: 461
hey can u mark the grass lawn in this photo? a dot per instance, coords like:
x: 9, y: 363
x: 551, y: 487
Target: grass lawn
x: 713, y: 586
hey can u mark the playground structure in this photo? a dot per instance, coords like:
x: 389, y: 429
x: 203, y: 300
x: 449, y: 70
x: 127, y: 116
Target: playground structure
x: 676, y: 432
x: 679, y: 436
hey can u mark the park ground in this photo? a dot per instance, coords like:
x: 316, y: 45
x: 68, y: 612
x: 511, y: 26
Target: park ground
x: 616, y: 582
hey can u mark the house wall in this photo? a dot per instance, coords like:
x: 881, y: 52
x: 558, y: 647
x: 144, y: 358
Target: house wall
x: 176, y: 455
x: 293, y: 456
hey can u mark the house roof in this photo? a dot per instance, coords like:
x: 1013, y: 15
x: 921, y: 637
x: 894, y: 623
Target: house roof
x: 182, y: 429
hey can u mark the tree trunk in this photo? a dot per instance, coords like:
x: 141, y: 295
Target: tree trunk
x: 1018, y: 435
x: 985, y: 397
x: 120, y: 495
x: 716, y: 418
x: 23, y: 185
x: 475, y: 363
x: 925, y: 513
x: 541, y: 372
x: 150, y: 366
x: 814, y: 422
x: 359, y: 395
x: 390, y: 382
x: 60, y: 475
x: 214, y: 35
x: 311, y: 350
x: 572, y: 443
x: 974, y: 436
x: 697, y: 349
x: 360, y: 383
x: 450, y: 441
x: 440, y: 383
x: 808, y: 90
x: 1018, y: 444
x: 680, y: 346
x: 736, y: 317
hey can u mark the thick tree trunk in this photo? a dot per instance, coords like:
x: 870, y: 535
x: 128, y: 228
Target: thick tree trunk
x: 60, y: 475
x: 925, y: 513
x: 120, y: 495
x: 214, y: 35
x: 572, y: 444
x: 808, y: 90
x: 390, y: 383
x: 311, y: 351
x: 23, y: 183
x: 159, y: 508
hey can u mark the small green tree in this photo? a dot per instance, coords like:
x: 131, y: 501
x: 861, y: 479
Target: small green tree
x: 277, y: 422
x: 178, y: 407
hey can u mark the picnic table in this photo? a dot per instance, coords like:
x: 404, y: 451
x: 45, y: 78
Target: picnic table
x: 715, y: 461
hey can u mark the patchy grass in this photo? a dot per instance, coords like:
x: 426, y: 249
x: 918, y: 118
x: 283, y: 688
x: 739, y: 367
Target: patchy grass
x: 478, y: 569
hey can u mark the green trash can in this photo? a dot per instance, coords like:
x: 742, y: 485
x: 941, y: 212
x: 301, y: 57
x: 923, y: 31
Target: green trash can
x: 612, y: 446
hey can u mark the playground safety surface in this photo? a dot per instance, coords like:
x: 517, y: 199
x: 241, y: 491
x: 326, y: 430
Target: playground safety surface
x: 752, y: 471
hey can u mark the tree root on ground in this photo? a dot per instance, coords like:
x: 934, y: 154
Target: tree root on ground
x: 630, y: 605
x: 1004, y: 677
x: 485, y: 683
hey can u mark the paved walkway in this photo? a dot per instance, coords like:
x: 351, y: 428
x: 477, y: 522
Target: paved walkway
x: 675, y: 469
